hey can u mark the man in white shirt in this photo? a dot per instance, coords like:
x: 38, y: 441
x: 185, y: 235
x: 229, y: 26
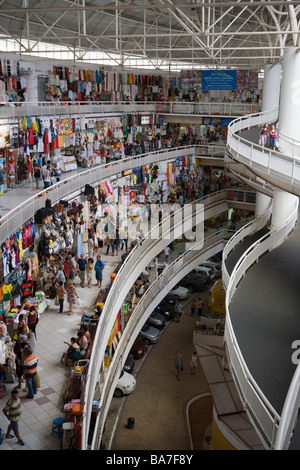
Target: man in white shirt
x: 47, y: 177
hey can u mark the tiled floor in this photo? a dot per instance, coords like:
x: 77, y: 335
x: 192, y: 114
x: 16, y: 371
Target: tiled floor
x: 52, y: 330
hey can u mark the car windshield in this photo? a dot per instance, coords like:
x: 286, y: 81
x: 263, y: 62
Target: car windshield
x: 145, y: 328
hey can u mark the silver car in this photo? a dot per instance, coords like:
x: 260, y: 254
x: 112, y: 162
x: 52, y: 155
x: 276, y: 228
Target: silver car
x: 157, y: 320
x: 149, y: 334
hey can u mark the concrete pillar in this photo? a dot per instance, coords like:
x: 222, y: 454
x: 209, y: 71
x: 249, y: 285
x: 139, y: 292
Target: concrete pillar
x: 290, y: 95
x: 262, y: 204
x: 271, y: 86
x: 283, y: 206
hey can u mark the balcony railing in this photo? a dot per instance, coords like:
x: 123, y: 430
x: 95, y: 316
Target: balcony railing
x: 90, y: 108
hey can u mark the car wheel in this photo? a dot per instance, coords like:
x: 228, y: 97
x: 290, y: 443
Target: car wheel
x: 118, y: 393
x: 191, y: 288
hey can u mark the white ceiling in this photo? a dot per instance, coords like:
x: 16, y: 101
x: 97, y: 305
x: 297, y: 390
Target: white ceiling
x: 163, y: 33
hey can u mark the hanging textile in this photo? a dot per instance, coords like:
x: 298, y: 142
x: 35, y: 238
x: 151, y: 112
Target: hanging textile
x: 80, y: 249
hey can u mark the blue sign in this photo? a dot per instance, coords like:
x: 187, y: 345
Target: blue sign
x: 218, y: 79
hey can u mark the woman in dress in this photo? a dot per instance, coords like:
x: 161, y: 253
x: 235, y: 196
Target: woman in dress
x: 89, y: 271
x: 71, y: 295
x: 99, y: 266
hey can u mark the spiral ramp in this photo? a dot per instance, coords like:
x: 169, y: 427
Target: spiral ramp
x: 260, y: 276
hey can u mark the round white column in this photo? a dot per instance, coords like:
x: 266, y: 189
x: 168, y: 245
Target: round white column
x: 271, y: 86
x: 289, y: 111
x: 283, y: 206
x: 262, y: 204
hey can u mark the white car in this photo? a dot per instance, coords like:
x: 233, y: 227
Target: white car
x: 125, y: 385
x: 180, y: 291
x: 216, y: 267
x: 206, y: 270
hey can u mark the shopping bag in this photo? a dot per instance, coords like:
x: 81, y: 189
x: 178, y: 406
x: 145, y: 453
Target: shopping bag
x: 37, y: 381
x: 56, y: 301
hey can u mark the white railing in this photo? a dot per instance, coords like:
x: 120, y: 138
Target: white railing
x: 133, y: 265
x: 290, y: 414
x: 261, y: 411
x: 255, y: 225
x: 14, y: 219
x: 59, y: 108
x: 271, y: 165
x: 152, y: 297
x: 288, y: 145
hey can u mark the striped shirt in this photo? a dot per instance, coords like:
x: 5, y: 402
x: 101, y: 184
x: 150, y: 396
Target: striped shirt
x: 30, y: 364
x: 13, y: 409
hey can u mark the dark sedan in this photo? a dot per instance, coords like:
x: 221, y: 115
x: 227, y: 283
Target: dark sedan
x: 195, y: 282
x: 165, y: 309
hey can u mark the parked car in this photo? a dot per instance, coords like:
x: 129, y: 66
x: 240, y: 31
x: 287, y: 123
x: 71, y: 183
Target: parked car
x: 171, y: 299
x: 216, y: 267
x: 217, y: 258
x: 125, y: 385
x: 166, y: 309
x: 180, y: 292
x: 157, y: 320
x: 129, y: 364
x: 206, y: 271
x: 138, y: 349
x: 149, y: 334
x: 195, y: 282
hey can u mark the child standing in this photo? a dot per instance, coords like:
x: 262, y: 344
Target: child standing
x: 61, y: 296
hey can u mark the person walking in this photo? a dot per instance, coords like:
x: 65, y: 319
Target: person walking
x: 178, y: 364
x: 72, y: 267
x: 60, y: 292
x: 71, y: 295
x: 99, y: 266
x: 47, y: 177
x: 37, y: 174
x: 167, y: 252
x: 81, y: 271
x: 89, y: 271
x: 116, y: 243
x: 193, y: 363
x: 32, y: 319
x: 178, y: 311
x: 193, y: 308
x: 12, y: 411
x: 264, y: 132
x: 30, y: 371
x: 124, y: 240
x: 273, y: 137
x: 60, y: 275
x: 200, y: 306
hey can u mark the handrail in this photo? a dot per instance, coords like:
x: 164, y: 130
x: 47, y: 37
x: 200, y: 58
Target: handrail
x: 253, y: 226
x: 165, y: 281
x: 289, y: 145
x: 289, y: 415
x: 14, y: 219
x: 268, y: 419
x: 59, y: 108
x: 276, y: 167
